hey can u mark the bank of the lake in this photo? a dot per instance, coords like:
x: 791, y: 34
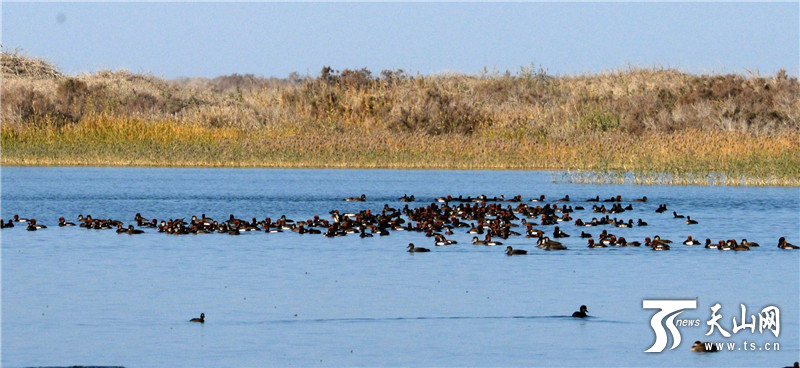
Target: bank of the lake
x: 660, y: 125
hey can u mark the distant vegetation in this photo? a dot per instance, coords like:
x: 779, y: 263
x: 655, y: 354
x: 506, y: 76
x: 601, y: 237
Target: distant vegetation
x: 661, y: 125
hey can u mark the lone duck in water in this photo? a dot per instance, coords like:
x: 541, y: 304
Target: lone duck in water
x: 202, y: 318
x: 700, y: 347
x: 783, y: 244
x: 511, y: 251
x: 581, y: 313
x: 413, y: 249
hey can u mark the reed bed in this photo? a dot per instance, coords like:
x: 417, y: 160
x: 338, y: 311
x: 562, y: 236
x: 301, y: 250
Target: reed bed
x: 638, y: 126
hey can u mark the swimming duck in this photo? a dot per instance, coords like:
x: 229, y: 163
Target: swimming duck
x: 517, y: 198
x: 131, y: 230
x: 585, y: 235
x: 121, y: 230
x: 139, y: 219
x: 18, y: 219
x: 475, y: 230
x: 413, y: 249
x: 658, y: 239
x: 689, y: 221
x: 5, y: 225
x: 557, y: 233
x: 476, y: 241
x: 641, y: 223
x: 489, y: 241
x: 565, y: 199
x: 534, y: 233
x: 62, y: 222
x: 624, y: 243
x: 643, y: 199
x: 581, y: 313
x: 656, y: 243
x: 440, y: 240
x: 546, y: 243
x: 700, y: 347
x: 592, y: 244
x: 272, y: 228
x: 750, y: 244
x: 737, y: 247
x: 660, y: 246
x: 676, y: 215
x: 553, y: 245
x: 32, y: 225
x: 783, y: 244
x: 709, y: 244
x: 540, y: 199
x: 690, y: 241
x: 595, y: 199
x: 510, y: 251
x: 661, y: 208
x: 356, y: 199
x: 202, y: 318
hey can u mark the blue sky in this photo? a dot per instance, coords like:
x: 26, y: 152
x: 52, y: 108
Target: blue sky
x: 274, y: 39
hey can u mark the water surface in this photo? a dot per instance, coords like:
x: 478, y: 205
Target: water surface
x: 75, y: 296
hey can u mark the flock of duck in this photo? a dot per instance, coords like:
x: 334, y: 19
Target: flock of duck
x: 487, y: 220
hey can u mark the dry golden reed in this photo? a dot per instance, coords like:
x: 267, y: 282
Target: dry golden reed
x: 637, y: 126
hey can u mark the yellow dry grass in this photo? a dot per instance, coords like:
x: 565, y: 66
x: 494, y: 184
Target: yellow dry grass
x: 637, y: 125
x: 686, y: 157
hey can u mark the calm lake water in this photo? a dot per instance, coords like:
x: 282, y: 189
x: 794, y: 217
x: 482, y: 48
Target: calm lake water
x: 72, y: 296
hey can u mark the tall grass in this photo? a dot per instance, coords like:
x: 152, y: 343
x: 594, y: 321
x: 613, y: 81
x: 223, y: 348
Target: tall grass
x: 638, y: 125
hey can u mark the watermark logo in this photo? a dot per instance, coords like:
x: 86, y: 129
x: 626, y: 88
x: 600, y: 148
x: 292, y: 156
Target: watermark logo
x: 671, y: 308
x: 768, y: 319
